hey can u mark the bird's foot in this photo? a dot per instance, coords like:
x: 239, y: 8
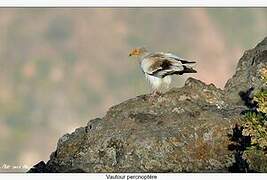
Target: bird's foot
x: 154, y: 96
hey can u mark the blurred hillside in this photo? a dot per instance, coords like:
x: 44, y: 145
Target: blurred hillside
x: 61, y: 67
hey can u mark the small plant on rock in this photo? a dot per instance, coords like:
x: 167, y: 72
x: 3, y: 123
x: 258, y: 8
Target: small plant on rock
x: 255, y: 121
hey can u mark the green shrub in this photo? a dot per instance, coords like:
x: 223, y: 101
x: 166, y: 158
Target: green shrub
x: 255, y: 121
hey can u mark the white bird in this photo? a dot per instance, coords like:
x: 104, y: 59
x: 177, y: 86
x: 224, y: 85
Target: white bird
x: 159, y: 66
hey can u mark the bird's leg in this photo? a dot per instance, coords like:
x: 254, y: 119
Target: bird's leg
x: 155, y: 94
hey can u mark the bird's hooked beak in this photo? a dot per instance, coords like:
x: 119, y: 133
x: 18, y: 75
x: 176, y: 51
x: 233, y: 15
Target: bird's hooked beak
x: 130, y: 54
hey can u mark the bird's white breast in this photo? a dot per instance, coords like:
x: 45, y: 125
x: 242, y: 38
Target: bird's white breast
x: 157, y: 83
x: 154, y: 81
x: 146, y: 64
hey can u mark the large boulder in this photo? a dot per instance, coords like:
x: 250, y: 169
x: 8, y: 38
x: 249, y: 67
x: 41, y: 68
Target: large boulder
x: 189, y: 129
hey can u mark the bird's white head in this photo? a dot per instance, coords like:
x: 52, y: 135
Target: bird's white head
x: 138, y: 52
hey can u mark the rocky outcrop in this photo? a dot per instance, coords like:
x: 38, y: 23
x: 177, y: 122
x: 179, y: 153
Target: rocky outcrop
x: 247, y: 74
x: 189, y: 129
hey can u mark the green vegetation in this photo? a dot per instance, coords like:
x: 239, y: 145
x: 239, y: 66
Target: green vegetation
x: 255, y: 121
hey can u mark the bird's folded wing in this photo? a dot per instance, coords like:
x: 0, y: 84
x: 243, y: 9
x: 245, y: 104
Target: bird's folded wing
x: 160, y: 65
x: 182, y: 60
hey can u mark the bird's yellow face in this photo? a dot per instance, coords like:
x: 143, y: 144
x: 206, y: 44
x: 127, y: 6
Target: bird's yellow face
x: 137, y: 52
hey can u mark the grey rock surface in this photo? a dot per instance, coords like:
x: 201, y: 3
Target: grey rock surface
x: 247, y: 73
x: 185, y: 130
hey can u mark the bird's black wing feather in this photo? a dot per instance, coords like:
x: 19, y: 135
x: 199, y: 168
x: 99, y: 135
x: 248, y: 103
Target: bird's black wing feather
x: 168, y: 65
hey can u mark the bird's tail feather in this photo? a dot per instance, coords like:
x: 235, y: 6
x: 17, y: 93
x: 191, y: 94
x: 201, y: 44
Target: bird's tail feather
x: 187, y: 69
x: 187, y: 61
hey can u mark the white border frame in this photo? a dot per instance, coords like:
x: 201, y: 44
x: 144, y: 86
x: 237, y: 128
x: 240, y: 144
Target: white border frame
x: 133, y: 3
x: 160, y: 176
